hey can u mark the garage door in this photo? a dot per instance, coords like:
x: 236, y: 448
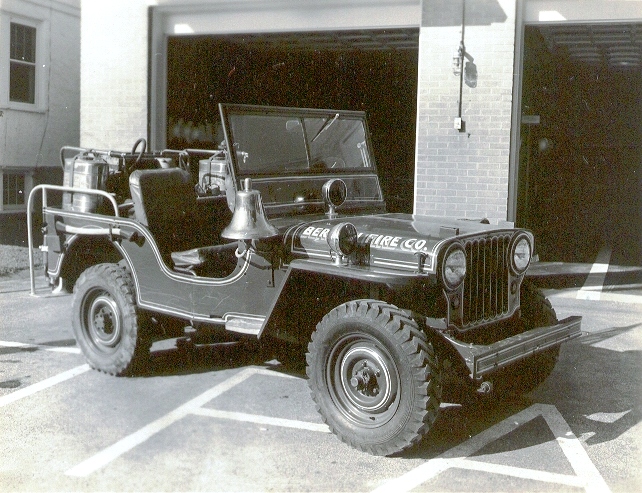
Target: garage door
x: 581, y: 154
x: 354, y: 55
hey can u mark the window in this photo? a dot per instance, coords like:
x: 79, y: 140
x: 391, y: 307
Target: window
x: 22, y: 57
x: 24, y: 52
x: 13, y: 190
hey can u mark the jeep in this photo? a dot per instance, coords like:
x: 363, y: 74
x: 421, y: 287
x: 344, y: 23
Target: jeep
x: 282, y: 232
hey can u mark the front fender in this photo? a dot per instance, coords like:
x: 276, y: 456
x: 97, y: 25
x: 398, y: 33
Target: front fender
x: 311, y: 288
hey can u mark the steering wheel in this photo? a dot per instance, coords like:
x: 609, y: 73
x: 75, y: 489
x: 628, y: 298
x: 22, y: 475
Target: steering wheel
x: 143, y: 147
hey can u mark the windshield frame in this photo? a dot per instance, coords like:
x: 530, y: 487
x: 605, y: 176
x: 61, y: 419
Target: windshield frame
x: 300, y: 191
x: 228, y: 111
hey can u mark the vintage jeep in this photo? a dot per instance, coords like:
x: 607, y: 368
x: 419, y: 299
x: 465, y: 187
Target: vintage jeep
x: 282, y: 232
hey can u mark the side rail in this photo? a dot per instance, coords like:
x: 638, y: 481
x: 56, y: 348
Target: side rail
x: 126, y: 160
x: 44, y: 189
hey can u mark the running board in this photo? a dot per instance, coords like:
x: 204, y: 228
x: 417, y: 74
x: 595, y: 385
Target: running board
x: 241, y: 325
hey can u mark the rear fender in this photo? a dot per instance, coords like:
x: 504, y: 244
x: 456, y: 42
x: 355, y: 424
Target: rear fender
x: 81, y: 252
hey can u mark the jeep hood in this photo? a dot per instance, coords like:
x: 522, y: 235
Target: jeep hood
x: 387, y: 240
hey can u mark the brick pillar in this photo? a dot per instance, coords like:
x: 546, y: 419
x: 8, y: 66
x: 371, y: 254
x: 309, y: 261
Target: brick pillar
x: 465, y: 174
x: 113, y: 87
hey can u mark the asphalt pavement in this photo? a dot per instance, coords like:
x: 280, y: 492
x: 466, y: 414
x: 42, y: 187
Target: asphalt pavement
x: 236, y: 417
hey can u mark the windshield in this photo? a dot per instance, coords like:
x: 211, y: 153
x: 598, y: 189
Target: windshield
x: 276, y: 144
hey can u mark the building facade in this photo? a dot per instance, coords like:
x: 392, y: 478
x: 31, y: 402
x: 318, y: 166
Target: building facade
x: 467, y: 99
x: 39, y: 100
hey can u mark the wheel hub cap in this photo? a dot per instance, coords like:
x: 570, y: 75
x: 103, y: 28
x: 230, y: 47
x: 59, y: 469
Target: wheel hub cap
x: 366, y: 379
x: 104, y: 323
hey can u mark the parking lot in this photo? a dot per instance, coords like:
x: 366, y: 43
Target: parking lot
x: 239, y: 417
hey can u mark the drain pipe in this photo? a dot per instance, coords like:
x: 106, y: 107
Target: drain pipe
x: 461, y: 53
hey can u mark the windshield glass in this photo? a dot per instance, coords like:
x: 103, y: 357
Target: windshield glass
x: 277, y: 144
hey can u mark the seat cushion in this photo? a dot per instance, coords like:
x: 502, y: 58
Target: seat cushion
x: 165, y: 201
x: 195, y: 257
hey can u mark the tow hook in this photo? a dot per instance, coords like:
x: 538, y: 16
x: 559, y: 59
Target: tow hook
x: 485, y: 388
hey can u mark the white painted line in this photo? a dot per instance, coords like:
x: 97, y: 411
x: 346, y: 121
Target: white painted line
x: 119, y: 448
x: 604, y: 296
x: 53, y: 349
x: 45, y: 384
x: 586, y: 474
x: 609, y: 418
x: 114, y: 451
x: 621, y: 298
x: 592, y: 288
x: 574, y: 451
x: 517, y: 472
x: 261, y: 420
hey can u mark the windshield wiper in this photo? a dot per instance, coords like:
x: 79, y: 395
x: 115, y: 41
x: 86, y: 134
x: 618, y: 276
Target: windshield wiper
x: 326, y: 126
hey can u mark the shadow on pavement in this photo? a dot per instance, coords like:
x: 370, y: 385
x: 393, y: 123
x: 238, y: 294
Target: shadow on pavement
x: 226, y: 353
x: 597, y: 391
x: 565, y: 275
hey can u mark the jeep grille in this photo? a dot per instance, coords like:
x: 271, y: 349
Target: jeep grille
x: 486, y: 282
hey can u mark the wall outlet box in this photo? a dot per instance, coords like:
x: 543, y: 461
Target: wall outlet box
x: 459, y: 124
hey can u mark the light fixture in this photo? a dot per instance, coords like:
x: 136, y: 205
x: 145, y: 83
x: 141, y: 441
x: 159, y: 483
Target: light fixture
x: 458, y: 59
x: 342, y: 240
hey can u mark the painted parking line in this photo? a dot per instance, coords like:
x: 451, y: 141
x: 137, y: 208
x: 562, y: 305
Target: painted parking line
x: 592, y: 288
x: 53, y: 349
x: 193, y: 406
x: 604, y: 295
x: 586, y: 474
x: 621, y: 298
x: 262, y: 420
x: 45, y: 384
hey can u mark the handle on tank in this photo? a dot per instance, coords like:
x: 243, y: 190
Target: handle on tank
x: 70, y: 148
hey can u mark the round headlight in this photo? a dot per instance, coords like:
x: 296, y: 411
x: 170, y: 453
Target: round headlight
x: 521, y: 255
x: 342, y: 239
x: 454, y: 269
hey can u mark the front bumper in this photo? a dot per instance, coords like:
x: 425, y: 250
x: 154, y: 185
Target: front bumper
x: 482, y: 360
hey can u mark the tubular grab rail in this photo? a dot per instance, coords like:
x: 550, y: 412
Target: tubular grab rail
x: 44, y: 188
x: 182, y: 155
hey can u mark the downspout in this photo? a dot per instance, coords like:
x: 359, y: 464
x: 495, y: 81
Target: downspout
x: 461, y: 53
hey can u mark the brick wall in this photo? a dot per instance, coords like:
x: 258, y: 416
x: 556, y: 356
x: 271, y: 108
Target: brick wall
x: 113, y: 73
x: 465, y: 174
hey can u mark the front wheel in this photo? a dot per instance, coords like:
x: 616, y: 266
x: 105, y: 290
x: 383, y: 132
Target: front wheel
x: 373, y: 375
x: 105, y: 321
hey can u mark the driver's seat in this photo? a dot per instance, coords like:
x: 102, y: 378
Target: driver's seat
x: 165, y: 202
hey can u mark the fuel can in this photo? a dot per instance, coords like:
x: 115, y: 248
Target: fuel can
x: 84, y: 171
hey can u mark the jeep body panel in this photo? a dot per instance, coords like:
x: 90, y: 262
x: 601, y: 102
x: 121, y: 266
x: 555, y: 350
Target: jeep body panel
x: 283, y: 232
x: 291, y: 155
x: 393, y: 241
x: 159, y: 288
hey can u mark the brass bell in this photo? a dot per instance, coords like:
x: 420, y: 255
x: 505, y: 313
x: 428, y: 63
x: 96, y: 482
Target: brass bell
x: 249, y: 221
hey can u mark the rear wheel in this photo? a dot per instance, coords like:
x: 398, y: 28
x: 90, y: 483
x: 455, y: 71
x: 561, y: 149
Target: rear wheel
x: 373, y: 376
x: 106, y: 323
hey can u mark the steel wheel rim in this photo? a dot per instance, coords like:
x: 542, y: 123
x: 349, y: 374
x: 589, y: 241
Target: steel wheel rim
x: 102, y: 321
x: 363, y: 380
